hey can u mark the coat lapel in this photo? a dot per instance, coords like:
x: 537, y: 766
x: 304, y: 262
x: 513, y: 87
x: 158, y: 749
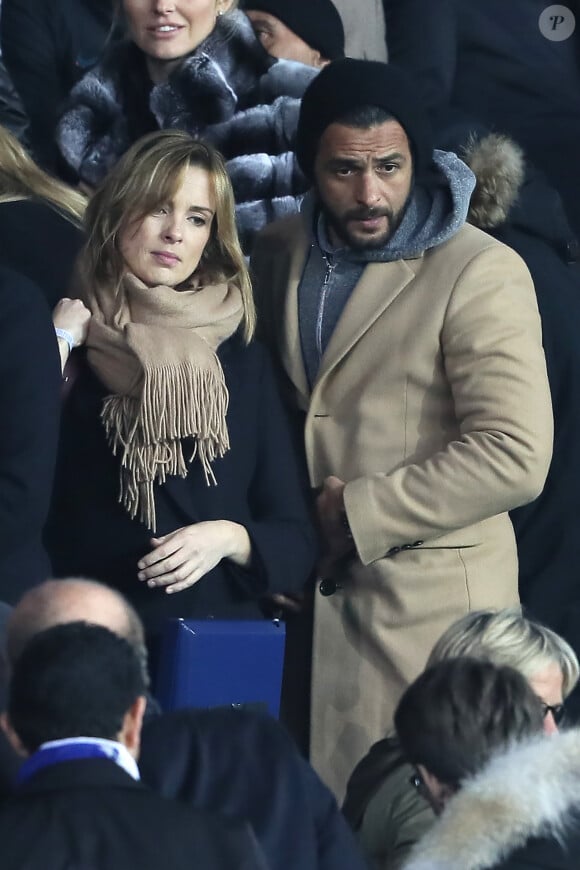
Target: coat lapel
x: 291, y: 267
x: 378, y: 287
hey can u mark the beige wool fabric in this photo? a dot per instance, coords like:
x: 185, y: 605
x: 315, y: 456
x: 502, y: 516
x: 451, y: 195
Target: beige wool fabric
x: 155, y: 350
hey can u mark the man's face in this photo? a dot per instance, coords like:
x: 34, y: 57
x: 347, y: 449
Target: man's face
x: 363, y: 179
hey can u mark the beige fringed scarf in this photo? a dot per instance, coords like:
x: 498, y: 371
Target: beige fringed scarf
x: 155, y: 350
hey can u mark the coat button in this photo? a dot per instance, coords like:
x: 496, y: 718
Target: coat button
x: 328, y: 587
x: 393, y: 551
x: 418, y: 543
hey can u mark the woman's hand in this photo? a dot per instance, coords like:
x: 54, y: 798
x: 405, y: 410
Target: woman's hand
x: 181, y: 558
x: 73, y: 316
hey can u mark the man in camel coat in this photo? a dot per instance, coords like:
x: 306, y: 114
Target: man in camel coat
x: 412, y: 344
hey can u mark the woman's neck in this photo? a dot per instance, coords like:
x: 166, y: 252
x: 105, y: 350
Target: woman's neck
x: 160, y: 70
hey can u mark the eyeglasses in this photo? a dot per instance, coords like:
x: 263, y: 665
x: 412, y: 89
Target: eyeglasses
x: 419, y: 784
x: 558, y: 712
x: 417, y: 781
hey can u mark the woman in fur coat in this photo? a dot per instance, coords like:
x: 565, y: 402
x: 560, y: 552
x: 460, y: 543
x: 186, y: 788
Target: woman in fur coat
x: 193, y: 65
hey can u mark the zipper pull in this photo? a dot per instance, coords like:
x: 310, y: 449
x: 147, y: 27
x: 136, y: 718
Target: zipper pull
x: 329, y: 270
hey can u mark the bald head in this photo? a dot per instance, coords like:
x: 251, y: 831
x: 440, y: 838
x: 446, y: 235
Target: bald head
x: 56, y: 602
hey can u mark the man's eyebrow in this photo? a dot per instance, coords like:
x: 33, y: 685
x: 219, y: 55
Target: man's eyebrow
x: 356, y: 161
x: 344, y: 161
x: 390, y: 158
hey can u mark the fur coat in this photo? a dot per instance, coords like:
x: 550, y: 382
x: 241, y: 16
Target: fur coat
x: 228, y: 91
x: 523, y: 803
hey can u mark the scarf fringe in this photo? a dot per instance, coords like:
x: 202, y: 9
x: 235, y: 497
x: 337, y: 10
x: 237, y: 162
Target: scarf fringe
x: 147, y: 431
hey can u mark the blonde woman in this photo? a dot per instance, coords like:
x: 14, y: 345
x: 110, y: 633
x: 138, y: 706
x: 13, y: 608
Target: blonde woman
x: 177, y: 482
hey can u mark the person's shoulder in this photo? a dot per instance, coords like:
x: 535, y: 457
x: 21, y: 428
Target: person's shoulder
x: 470, y: 245
x: 19, y: 293
x: 215, y: 724
x: 234, y: 742
x: 280, y: 234
x: 39, y: 217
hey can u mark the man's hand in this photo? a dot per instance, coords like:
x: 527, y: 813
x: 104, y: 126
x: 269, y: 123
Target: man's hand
x: 178, y: 560
x: 336, y: 538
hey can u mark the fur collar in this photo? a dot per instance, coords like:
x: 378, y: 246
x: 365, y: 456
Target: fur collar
x: 499, y: 167
x: 529, y: 791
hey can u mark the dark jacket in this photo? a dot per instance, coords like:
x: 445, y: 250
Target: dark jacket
x: 493, y: 62
x: 386, y: 811
x: 47, y: 46
x: 517, y: 206
x: 57, y: 244
x: 229, y: 91
x: 258, y: 485
x: 30, y: 400
x: 91, y: 814
x: 242, y: 763
x: 520, y: 812
x: 12, y: 114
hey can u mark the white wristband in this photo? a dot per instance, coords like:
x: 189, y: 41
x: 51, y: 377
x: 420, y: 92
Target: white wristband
x: 66, y: 336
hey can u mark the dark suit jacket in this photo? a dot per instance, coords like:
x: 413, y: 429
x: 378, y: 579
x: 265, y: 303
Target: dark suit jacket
x: 90, y: 814
x: 30, y: 382
x: 57, y: 244
x: 258, y: 485
x: 244, y: 765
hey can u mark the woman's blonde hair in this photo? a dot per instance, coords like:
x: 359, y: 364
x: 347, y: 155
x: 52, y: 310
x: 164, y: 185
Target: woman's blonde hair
x: 21, y: 178
x: 507, y: 637
x: 146, y: 177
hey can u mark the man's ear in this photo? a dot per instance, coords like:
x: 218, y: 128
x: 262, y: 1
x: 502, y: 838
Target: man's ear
x: 12, y: 736
x: 130, y: 734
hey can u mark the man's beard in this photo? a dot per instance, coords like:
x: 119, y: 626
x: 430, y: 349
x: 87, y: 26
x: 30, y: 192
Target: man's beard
x: 340, y: 225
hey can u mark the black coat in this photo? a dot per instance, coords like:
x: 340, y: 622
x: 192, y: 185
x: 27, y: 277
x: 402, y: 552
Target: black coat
x: 47, y: 46
x: 259, y: 485
x: 489, y: 60
x: 242, y: 763
x: 58, y: 244
x: 91, y: 814
x: 12, y: 114
x: 547, y: 528
x: 544, y: 853
x: 30, y: 401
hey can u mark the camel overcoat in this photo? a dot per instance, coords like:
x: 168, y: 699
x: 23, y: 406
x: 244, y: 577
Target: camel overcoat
x: 432, y: 403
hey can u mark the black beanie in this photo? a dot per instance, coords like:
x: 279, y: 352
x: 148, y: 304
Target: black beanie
x: 317, y: 22
x: 349, y: 84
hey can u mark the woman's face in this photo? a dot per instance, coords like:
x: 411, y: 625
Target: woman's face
x: 548, y: 684
x: 167, y: 30
x: 166, y: 246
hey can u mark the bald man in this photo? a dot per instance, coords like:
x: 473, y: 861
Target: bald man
x: 189, y: 754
